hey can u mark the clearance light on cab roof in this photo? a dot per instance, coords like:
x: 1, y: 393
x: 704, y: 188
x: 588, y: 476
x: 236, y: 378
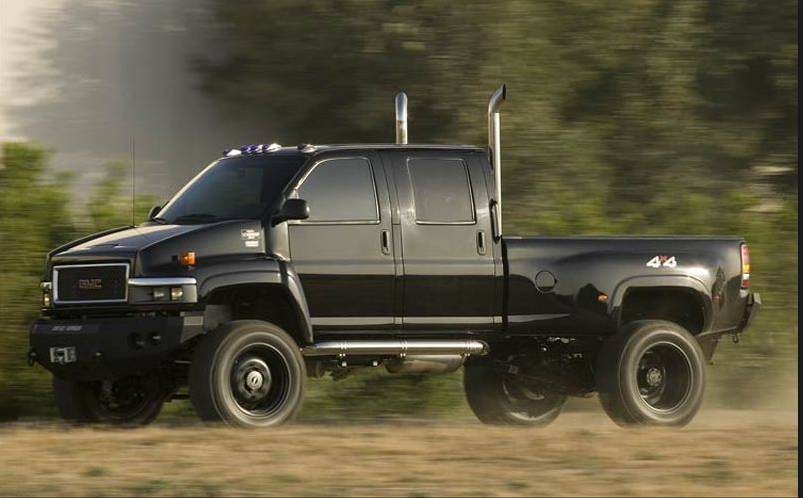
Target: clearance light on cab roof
x: 252, y: 149
x: 187, y: 258
x: 745, y: 266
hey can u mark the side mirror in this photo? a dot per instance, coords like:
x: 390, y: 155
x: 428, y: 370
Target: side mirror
x: 293, y: 209
x: 154, y: 211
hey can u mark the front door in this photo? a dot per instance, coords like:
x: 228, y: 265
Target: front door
x: 344, y: 253
x: 445, y: 240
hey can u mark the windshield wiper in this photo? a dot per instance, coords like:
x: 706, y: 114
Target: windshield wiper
x: 159, y: 220
x: 201, y: 217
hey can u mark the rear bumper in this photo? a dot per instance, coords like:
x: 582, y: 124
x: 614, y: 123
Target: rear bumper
x: 108, y: 347
x: 751, y: 310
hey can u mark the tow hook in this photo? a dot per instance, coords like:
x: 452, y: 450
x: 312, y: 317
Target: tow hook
x: 32, y: 356
x: 736, y: 338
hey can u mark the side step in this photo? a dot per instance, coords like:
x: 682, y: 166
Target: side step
x: 396, y: 347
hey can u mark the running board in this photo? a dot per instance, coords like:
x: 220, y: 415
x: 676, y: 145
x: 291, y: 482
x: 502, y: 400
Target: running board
x: 396, y: 347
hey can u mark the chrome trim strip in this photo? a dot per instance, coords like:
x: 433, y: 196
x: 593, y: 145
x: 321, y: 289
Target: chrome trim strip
x: 440, y: 320
x: 93, y: 301
x: 351, y: 320
x: 160, y: 281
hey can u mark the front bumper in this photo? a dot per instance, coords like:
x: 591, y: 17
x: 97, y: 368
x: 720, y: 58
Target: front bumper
x: 102, y: 348
x: 751, y: 310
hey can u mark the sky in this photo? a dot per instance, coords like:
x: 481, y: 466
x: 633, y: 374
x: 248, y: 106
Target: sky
x: 101, y: 80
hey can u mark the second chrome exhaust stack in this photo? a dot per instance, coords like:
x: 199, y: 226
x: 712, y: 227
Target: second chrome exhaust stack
x: 401, y: 118
x: 495, y: 152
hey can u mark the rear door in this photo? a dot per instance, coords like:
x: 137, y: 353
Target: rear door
x: 448, y: 263
x: 344, y: 253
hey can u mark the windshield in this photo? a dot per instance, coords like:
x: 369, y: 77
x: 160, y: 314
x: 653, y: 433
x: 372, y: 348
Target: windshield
x: 232, y: 188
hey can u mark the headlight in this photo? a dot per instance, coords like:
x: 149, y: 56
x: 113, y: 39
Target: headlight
x: 47, y: 288
x: 162, y: 290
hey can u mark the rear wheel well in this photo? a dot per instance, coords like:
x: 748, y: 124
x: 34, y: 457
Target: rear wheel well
x: 678, y: 305
x: 271, y: 303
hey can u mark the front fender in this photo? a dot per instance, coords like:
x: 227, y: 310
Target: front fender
x: 281, y: 274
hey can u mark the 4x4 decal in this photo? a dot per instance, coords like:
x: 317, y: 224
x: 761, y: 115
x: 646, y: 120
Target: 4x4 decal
x: 662, y: 260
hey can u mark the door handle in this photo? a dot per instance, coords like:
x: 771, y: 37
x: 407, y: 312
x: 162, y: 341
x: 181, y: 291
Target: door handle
x: 481, y: 249
x: 385, y: 240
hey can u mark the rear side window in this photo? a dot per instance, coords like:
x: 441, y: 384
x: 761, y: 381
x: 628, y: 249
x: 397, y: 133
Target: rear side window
x: 341, y: 190
x: 441, y: 190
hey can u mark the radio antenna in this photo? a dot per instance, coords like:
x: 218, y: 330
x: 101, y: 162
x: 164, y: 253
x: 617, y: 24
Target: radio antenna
x: 133, y: 179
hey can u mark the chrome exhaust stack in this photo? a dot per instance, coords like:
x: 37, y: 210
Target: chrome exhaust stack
x: 401, y: 118
x: 396, y: 347
x: 495, y: 152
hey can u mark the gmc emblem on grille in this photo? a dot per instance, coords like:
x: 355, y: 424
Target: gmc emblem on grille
x: 90, y: 283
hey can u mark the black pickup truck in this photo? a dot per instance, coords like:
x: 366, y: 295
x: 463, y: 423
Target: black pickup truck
x: 277, y: 263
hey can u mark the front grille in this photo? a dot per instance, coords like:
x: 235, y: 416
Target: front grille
x: 99, y: 283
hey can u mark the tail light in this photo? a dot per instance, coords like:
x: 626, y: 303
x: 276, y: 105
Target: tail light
x: 745, y: 266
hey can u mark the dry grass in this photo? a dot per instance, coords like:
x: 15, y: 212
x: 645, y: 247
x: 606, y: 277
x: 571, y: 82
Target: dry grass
x: 723, y: 453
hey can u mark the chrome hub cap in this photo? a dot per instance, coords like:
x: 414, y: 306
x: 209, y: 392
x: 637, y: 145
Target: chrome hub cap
x: 254, y: 380
x: 654, y: 376
x: 251, y: 379
x: 260, y: 380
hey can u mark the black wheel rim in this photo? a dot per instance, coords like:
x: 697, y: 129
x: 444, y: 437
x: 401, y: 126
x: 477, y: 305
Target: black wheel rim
x: 526, y: 403
x: 664, y: 376
x: 260, y: 380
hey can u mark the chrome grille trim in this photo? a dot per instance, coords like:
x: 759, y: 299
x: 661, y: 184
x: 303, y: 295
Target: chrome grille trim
x: 55, y: 284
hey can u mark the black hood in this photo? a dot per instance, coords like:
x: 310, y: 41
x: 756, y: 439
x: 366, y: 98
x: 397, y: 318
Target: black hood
x: 154, y: 248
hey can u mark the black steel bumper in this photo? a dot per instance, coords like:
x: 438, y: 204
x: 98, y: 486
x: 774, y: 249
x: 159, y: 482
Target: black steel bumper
x: 750, y: 311
x: 108, y: 347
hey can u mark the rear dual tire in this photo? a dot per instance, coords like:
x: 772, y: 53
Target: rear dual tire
x: 651, y: 373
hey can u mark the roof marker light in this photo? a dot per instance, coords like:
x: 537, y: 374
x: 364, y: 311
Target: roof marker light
x: 306, y: 147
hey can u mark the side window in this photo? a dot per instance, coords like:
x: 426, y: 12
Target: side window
x: 340, y: 190
x: 441, y: 191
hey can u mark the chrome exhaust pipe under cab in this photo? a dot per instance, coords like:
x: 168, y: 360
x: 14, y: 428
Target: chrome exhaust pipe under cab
x: 399, y: 355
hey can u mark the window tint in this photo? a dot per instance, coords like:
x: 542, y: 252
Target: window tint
x: 441, y: 191
x: 340, y: 190
x: 233, y: 188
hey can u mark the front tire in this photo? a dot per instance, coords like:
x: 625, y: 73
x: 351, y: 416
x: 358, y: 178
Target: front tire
x: 500, y: 399
x: 651, y: 373
x: 132, y: 401
x: 247, y: 373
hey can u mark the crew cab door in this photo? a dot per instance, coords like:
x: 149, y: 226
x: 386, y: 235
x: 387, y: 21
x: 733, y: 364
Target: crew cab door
x: 344, y: 253
x: 446, y: 241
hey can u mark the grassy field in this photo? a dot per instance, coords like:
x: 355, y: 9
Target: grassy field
x: 722, y: 453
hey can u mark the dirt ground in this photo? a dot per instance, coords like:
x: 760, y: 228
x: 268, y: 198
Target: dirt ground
x: 722, y: 453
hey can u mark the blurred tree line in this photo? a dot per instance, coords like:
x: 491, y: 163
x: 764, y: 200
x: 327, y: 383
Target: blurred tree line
x: 636, y: 116
x: 39, y: 211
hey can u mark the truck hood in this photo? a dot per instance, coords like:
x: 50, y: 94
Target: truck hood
x: 123, y: 240
x: 154, y: 249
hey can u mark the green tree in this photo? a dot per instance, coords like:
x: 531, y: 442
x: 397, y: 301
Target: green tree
x: 35, y: 217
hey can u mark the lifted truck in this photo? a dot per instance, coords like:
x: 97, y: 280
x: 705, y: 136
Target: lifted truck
x: 276, y: 263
